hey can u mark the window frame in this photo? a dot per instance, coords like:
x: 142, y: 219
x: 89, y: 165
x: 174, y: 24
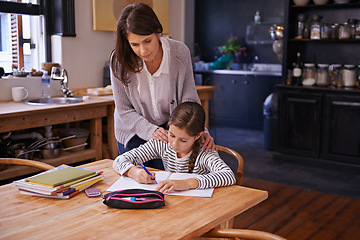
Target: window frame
x: 59, y: 18
x: 32, y: 9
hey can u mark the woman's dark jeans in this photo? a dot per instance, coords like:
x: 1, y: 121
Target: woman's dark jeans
x: 134, y: 143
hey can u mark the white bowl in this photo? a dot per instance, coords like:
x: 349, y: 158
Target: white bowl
x: 301, y: 2
x: 320, y: 2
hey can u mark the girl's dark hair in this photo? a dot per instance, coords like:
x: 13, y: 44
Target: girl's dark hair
x: 137, y: 18
x: 190, y: 116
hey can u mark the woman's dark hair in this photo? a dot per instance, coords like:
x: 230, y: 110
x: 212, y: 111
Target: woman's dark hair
x: 190, y: 116
x: 137, y: 18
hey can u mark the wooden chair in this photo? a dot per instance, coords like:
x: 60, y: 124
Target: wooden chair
x: 238, y: 233
x: 240, y: 160
x: 25, y: 162
x: 241, y: 234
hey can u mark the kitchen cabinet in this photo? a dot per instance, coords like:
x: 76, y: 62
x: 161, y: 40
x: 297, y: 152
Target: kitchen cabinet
x: 238, y: 99
x: 324, y: 51
x: 18, y: 116
x: 300, y: 123
x: 341, y: 139
x: 319, y: 125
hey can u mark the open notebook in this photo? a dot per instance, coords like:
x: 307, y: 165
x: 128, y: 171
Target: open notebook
x: 128, y: 183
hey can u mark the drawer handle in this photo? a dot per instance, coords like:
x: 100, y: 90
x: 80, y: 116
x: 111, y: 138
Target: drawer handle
x: 346, y: 103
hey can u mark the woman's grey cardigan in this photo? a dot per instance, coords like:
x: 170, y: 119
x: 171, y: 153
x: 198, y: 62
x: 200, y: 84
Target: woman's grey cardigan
x: 128, y: 115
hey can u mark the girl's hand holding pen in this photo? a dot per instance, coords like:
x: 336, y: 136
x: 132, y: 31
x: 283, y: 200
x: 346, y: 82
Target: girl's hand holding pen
x: 140, y: 175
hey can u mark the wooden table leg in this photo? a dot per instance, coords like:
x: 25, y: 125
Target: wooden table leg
x: 111, y: 132
x: 96, y: 137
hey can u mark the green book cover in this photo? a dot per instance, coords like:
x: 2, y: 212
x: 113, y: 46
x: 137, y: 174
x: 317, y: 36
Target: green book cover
x: 59, y: 177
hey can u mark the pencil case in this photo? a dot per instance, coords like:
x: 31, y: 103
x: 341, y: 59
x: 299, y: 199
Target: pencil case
x: 134, y: 199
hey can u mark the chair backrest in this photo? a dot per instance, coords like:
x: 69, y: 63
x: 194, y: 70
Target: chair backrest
x: 25, y: 162
x: 242, y: 234
x: 240, y: 160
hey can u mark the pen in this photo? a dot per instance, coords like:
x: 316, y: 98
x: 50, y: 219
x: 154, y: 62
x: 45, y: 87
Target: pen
x: 147, y: 171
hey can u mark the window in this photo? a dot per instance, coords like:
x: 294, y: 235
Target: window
x: 22, y: 40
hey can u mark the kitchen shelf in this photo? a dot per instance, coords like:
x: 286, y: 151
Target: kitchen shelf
x: 326, y: 40
x: 326, y: 6
x: 258, y: 34
x: 340, y: 51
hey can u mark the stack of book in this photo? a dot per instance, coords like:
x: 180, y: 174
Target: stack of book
x: 61, y: 182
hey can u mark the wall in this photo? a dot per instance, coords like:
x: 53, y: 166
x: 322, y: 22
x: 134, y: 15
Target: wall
x: 83, y: 56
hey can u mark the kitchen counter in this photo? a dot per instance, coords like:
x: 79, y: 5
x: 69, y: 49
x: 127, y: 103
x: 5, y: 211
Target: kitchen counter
x: 241, y: 72
x: 11, y: 108
x: 19, y: 116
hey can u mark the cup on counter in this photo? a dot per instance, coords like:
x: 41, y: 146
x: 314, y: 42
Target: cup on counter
x: 200, y: 65
x: 19, y: 93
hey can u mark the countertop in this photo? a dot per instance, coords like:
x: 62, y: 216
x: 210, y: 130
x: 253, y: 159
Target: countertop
x: 241, y: 72
x: 320, y: 89
x: 14, y: 108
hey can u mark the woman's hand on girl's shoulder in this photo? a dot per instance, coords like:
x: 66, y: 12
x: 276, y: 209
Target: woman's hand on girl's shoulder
x: 208, y: 143
x: 160, y: 134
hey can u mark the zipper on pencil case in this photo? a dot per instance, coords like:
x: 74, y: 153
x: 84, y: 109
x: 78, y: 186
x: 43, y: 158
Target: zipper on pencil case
x: 140, y: 195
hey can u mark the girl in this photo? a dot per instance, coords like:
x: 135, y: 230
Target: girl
x: 150, y: 76
x: 182, y: 154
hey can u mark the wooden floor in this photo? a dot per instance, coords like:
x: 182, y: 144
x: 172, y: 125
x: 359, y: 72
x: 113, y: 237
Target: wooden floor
x: 298, y: 214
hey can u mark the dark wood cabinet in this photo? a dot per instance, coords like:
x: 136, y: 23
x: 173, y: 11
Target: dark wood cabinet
x: 238, y: 99
x: 341, y: 138
x: 300, y: 123
x: 320, y: 125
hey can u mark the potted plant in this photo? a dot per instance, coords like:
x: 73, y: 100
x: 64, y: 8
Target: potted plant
x: 232, y: 51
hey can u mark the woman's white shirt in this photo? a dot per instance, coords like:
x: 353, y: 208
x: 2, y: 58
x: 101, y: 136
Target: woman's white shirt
x: 154, y: 90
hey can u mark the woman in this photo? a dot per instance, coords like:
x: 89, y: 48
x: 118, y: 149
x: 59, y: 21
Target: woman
x: 182, y: 154
x: 150, y: 76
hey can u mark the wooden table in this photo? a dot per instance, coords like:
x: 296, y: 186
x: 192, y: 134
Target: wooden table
x: 28, y: 217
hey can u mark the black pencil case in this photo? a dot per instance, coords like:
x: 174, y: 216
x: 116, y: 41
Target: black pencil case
x: 134, y: 199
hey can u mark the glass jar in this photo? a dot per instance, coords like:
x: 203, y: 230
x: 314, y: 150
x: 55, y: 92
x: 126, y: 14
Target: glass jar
x: 335, y: 31
x: 335, y: 74
x: 306, y: 31
x: 357, y: 31
x: 358, y: 77
x: 300, y: 26
x: 325, y: 31
x: 309, y: 76
x: 315, y: 28
x: 352, y: 27
x: 349, y: 75
x: 344, y: 31
x: 322, y: 75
